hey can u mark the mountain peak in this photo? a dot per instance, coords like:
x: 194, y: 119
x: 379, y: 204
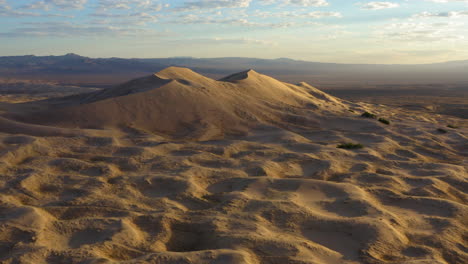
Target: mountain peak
x: 72, y: 55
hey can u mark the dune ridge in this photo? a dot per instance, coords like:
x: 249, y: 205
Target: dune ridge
x: 179, y: 168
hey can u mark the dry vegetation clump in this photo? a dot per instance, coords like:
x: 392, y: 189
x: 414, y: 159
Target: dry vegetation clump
x: 350, y: 146
x: 368, y: 115
x: 385, y: 121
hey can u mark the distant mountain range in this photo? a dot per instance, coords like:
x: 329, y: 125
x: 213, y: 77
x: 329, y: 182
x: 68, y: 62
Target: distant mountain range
x: 75, y: 69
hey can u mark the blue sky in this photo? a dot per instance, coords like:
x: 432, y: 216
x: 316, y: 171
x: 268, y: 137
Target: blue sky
x: 344, y: 31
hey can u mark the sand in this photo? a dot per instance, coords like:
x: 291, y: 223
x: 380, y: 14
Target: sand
x: 179, y: 168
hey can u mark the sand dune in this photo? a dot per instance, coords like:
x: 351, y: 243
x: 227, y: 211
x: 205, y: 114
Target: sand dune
x: 180, y: 103
x: 179, y: 168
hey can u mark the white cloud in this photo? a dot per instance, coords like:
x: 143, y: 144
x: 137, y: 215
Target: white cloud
x: 61, y: 4
x: 448, y: 1
x: 319, y: 14
x: 213, y: 4
x: 37, y: 5
x: 379, y: 5
x: 147, y: 5
x: 7, y: 11
x: 244, y: 41
x: 137, y: 18
x: 131, y: 12
x: 296, y: 14
x: 194, y: 19
x: 217, y: 4
x: 452, y: 14
x: 68, y: 4
x: 67, y: 29
x: 307, y: 2
x: 421, y: 32
x: 304, y: 3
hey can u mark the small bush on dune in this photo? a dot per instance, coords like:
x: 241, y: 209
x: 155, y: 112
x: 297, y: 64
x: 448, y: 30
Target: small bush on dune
x: 441, y: 130
x: 368, y: 115
x: 373, y: 116
x: 385, y: 121
x: 452, y: 126
x: 350, y: 146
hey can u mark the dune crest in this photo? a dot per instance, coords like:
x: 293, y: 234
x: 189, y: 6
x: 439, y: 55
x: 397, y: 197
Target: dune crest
x: 184, y: 75
x: 241, y: 76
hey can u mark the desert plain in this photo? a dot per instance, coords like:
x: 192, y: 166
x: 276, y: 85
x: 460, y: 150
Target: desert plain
x: 176, y: 167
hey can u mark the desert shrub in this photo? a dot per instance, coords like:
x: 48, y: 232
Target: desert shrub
x: 350, y: 146
x: 368, y: 115
x: 441, y: 130
x: 385, y: 121
x: 452, y: 126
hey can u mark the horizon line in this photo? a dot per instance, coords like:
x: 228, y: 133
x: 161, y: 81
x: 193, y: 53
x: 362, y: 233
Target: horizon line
x: 233, y: 57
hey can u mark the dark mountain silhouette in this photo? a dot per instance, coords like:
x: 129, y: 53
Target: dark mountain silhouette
x: 75, y: 69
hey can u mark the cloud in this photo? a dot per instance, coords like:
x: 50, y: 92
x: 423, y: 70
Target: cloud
x: 221, y: 41
x: 295, y: 14
x: 194, y: 19
x: 130, y: 12
x: 379, y: 5
x: 68, y: 4
x: 61, y: 4
x: 42, y: 5
x: 421, y: 32
x: 7, y: 11
x: 138, y: 18
x: 213, y: 4
x: 67, y: 29
x: 244, y: 41
x: 319, y: 14
x: 304, y: 3
x: 146, y: 5
x: 448, y: 1
x: 307, y: 2
x: 452, y: 14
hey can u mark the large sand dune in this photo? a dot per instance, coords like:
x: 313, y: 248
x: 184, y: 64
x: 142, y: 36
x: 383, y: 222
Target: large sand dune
x: 179, y: 168
x: 180, y: 103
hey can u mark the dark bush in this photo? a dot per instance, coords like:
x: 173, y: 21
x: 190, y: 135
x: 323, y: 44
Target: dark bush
x: 350, y: 146
x: 452, y: 126
x: 385, y: 121
x: 441, y: 130
x: 368, y: 115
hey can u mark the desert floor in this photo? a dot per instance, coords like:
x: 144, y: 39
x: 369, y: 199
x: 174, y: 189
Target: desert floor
x: 276, y: 194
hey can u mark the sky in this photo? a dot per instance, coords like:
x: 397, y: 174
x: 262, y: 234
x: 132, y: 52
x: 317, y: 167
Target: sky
x: 341, y: 31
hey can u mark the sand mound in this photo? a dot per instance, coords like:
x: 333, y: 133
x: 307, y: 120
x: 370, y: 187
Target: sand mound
x: 280, y: 193
x: 178, y: 102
